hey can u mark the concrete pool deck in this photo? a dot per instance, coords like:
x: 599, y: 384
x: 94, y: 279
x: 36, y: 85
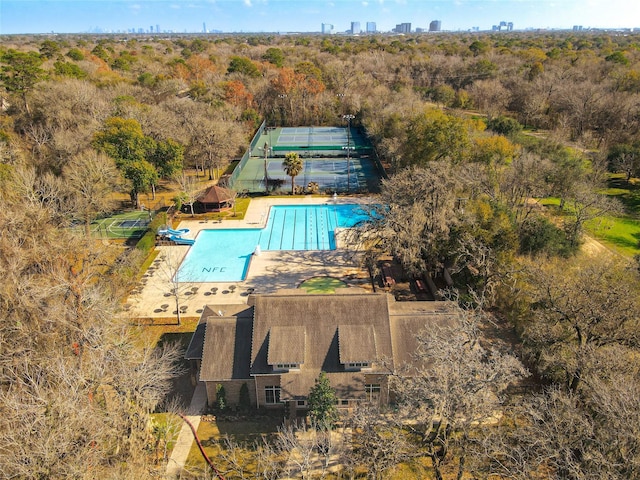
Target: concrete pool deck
x: 268, y: 272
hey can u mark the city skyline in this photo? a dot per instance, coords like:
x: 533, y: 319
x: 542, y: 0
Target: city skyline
x: 82, y: 16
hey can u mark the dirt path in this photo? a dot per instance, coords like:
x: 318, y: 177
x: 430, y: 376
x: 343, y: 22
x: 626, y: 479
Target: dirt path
x: 593, y: 248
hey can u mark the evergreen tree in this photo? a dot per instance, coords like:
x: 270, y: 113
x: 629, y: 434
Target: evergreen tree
x: 244, y: 400
x: 322, y: 403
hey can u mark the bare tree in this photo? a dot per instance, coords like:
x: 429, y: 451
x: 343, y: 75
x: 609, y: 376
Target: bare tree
x: 580, y: 312
x: 379, y: 442
x: 585, y: 205
x: 214, y: 142
x: 189, y: 189
x: 418, y: 213
x: 91, y: 178
x: 177, y: 280
x: 75, y: 389
x: 457, y: 385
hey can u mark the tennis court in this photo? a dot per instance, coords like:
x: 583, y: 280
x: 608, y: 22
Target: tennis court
x: 315, y: 141
x: 124, y: 225
x: 337, y: 159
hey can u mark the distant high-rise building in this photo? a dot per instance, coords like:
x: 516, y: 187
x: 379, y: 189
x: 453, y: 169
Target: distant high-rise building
x: 371, y: 27
x: 204, y: 27
x: 151, y: 29
x: 327, y: 28
x: 503, y: 26
x: 157, y: 28
x: 403, y: 28
x: 435, y: 26
x: 355, y: 28
x: 577, y: 28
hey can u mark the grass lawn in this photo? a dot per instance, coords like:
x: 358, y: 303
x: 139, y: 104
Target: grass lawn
x: 244, y: 432
x: 622, y: 233
x: 627, y: 193
x: 322, y: 285
x: 157, y: 334
x: 166, y: 428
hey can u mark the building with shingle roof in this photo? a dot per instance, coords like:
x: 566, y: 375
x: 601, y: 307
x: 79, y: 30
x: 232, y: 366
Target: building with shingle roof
x: 214, y: 199
x: 279, y: 343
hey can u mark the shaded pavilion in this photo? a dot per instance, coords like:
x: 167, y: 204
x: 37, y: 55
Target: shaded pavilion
x: 214, y: 199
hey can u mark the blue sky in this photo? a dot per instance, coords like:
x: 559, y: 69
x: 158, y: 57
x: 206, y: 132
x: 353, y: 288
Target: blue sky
x: 75, y: 16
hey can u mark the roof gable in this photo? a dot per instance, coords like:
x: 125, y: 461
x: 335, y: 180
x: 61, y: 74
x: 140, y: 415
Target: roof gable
x: 286, y: 345
x: 227, y: 349
x: 357, y: 343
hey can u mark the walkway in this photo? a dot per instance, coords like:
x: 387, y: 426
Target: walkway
x: 185, y: 438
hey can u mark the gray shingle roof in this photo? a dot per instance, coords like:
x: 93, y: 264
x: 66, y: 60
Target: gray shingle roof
x: 320, y: 332
x: 408, y: 319
x: 320, y: 315
x: 227, y: 347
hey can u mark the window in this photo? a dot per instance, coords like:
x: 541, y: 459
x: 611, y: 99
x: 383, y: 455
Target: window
x: 271, y: 394
x: 357, y: 365
x: 373, y: 391
x: 302, y: 403
x: 287, y: 366
x: 344, y: 402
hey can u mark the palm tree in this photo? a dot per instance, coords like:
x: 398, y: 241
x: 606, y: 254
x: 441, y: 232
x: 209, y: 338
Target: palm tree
x: 292, y: 166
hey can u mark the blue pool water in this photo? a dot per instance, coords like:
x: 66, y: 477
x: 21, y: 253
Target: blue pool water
x: 223, y: 255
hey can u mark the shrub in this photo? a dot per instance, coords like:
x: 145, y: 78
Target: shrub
x: 539, y: 236
x: 244, y: 400
x: 148, y: 240
x: 504, y: 125
x: 75, y: 54
x: 221, y: 397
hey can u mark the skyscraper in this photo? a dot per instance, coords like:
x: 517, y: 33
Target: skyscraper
x: 204, y: 27
x: 327, y: 28
x: 435, y: 26
x: 355, y: 28
x: 403, y: 28
x: 371, y: 27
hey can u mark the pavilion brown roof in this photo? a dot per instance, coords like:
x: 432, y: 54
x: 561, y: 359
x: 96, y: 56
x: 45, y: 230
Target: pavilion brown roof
x: 216, y: 194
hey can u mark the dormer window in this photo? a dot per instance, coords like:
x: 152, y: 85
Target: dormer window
x: 286, y: 348
x: 357, y: 346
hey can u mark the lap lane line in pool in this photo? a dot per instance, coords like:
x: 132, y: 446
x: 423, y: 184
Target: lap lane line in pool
x: 223, y: 255
x: 284, y: 223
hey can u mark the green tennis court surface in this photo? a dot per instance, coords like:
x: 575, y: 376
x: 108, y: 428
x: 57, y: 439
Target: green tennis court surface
x: 123, y: 225
x: 337, y: 159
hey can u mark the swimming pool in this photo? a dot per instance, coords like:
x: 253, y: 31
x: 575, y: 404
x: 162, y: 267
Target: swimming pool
x: 223, y: 255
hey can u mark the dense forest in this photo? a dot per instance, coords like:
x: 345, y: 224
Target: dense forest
x: 498, y: 148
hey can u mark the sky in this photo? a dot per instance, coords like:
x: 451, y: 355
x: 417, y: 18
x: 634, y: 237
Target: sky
x: 188, y: 16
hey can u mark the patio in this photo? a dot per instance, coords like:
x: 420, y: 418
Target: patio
x: 271, y: 271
